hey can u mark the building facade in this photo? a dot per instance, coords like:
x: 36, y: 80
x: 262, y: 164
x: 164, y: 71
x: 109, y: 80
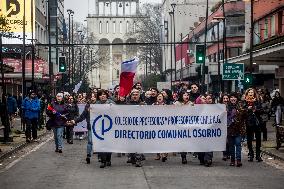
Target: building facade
x: 268, y: 46
x: 111, y: 23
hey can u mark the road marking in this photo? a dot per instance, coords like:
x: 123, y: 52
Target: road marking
x: 24, y: 155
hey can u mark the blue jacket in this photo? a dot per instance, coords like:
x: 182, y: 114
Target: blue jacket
x: 11, y: 104
x: 31, y: 107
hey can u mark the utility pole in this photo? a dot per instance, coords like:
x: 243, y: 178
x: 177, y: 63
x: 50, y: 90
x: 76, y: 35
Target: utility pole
x: 171, y: 13
x: 181, y: 71
x: 24, y: 54
x: 205, y: 41
x: 251, y: 38
x: 174, y: 24
x: 33, y: 47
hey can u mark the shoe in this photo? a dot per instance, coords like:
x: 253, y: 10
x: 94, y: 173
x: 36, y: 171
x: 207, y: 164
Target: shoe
x: 259, y: 159
x: 239, y: 163
x: 103, y: 165
x: 108, y: 163
x: 158, y: 157
x: 232, y: 163
x: 28, y: 140
x: 56, y: 150
x: 60, y: 151
x: 250, y: 159
x: 208, y: 163
x: 164, y: 159
x: 184, y: 161
x: 88, y: 160
x: 138, y: 164
x: 224, y: 158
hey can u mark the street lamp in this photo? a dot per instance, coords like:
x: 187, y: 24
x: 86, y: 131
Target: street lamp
x: 173, y: 5
x: 171, y: 13
x: 70, y: 12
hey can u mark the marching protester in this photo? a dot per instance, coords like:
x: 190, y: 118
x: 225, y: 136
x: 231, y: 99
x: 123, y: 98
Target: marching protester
x: 12, y: 108
x: 135, y: 99
x: 168, y: 96
x: 160, y: 101
x: 194, y: 92
x: 277, y: 106
x: 85, y: 115
x: 253, y: 125
x: 31, y: 108
x: 57, y: 114
x: 73, y: 112
x: 236, y: 129
x: 225, y: 100
x: 105, y: 157
x: 265, y: 105
x: 184, y: 99
x: 205, y: 158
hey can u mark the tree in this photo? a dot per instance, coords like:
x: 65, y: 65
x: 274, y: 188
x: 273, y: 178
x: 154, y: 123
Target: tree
x: 148, y: 31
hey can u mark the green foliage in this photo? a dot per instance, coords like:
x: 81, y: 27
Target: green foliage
x: 152, y: 79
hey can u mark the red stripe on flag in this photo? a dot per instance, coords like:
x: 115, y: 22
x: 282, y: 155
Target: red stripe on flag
x: 126, y: 83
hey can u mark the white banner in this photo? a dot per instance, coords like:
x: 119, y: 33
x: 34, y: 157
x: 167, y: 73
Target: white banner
x: 157, y: 129
x: 82, y: 126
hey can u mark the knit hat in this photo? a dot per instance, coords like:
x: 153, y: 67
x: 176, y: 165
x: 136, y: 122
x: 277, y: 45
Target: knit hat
x: 60, y: 95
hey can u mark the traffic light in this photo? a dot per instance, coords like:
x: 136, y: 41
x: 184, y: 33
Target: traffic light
x: 248, y: 79
x: 62, y: 64
x: 199, y: 54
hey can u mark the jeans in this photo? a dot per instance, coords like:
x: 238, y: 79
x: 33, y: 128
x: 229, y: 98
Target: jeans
x: 89, y: 144
x: 31, y: 128
x: 235, y: 147
x: 58, y: 137
x: 278, y: 115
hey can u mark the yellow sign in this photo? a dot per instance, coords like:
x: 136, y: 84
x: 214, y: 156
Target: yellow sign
x: 13, y: 10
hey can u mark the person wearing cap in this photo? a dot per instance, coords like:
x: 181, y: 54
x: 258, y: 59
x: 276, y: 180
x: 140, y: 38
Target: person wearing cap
x: 57, y: 113
x: 31, y: 108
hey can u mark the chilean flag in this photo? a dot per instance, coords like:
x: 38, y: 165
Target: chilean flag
x: 128, y: 70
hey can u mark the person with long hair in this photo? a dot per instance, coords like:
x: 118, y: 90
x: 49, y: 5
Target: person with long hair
x: 253, y: 122
x: 184, y: 99
x: 225, y: 100
x: 236, y: 129
x: 73, y: 112
x: 160, y: 101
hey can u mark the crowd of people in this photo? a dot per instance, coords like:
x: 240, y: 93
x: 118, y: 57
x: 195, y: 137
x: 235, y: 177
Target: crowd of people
x: 247, y: 115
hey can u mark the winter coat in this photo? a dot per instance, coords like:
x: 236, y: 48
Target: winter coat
x: 58, y: 119
x: 73, y: 111
x: 277, y: 101
x: 235, y: 121
x: 31, y: 108
x: 252, y: 115
x: 11, y: 105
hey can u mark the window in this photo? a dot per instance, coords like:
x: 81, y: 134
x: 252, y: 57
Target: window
x: 114, y: 27
x: 272, y: 25
x: 134, y: 27
x: 107, y: 27
x: 100, y: 26
x: 265, y: 28
x: 117, y: 73
x: 127, y: 27
x: 120, y: 27
x: 256, y: 35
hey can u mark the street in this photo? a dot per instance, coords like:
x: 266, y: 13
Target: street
x: 43, y: 168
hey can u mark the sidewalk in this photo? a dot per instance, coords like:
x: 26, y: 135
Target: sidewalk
x: 269, y: 146
x: 19, y: 140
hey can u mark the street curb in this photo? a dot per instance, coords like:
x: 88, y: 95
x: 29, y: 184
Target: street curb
x: 267, y: 153
x: 272, y: 155
x: 19, y: 147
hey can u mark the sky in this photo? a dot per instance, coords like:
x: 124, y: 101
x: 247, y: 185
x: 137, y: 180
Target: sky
x: 80, y: 7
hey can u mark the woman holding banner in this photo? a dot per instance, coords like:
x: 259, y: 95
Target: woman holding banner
x: 205, y: 158
x: 184, y: 99
x: 160, y: 101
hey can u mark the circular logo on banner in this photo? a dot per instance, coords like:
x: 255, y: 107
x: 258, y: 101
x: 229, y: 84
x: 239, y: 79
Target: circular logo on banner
x: 101, y: 125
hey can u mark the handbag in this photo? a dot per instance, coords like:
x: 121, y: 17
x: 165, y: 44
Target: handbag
x: 49, y: 124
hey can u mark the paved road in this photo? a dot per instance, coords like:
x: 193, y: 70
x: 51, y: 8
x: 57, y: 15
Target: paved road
x: 43, y: 169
